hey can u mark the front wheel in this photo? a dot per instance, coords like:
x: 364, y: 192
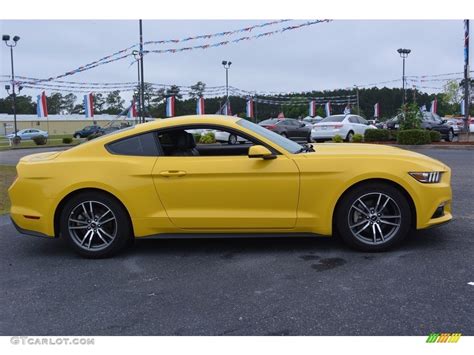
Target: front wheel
x: 77, y: 136
x: 450, y: 135
x: 95, y: 225
x: 373, y: 217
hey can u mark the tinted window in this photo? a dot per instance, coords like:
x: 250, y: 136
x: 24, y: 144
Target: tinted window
x: 353, y: 119
x: 141, y: 145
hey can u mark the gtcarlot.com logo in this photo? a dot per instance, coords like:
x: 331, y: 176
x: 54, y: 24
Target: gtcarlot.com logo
x: 24, y: 340
x: 443, y: 338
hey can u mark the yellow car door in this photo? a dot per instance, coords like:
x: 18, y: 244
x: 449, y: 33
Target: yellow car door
x: 228, y: 192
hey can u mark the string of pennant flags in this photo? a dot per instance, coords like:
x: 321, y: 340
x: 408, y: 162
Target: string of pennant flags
x: 246, y: 38
x: 34, y: 83
x: 170, y: 101
x: 125, y: 53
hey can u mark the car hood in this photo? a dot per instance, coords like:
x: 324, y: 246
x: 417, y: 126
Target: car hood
x: 372, y: 150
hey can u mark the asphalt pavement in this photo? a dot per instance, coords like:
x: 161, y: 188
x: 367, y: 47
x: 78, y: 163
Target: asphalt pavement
x: 272, y: 286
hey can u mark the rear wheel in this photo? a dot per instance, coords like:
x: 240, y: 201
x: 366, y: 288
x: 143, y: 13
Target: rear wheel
x: 77, y: 136
x: 349, y: 136
x: 373, y: 217
x: 232, y: 139
x: 95, y: 225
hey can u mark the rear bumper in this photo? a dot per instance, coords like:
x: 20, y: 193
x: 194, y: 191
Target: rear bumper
x: 327, y: 134
x: 27, y: 231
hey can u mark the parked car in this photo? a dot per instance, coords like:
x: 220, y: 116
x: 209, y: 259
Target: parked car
x: 87, y: 131
x: 28, y: 133
x: 456, y: 124
x: 433, y: 122
x: 372, y: 196
x: 343, y: 125
x: 226, y: 137
x: 429, y: 121
x: 288, y: 128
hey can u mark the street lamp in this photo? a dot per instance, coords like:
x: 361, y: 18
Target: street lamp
x: 12, y: 43
x: 226, y: 65
x: 137, y: 56
x: 403, y: 54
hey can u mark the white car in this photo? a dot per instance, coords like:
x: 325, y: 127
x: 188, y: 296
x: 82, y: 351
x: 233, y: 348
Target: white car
x: 28, y: 133
x: 343, y: 125
x: 226, y: 137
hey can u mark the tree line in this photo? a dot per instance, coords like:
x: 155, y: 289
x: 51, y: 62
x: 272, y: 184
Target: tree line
x: 185, y: 104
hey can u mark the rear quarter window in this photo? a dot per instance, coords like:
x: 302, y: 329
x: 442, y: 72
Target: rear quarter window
x: 140, y: 145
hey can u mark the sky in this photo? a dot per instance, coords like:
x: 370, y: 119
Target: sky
x: 325, y: 56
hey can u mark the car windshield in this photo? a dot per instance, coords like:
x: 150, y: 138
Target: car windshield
x: 281, y: 141
x: 336, y: 118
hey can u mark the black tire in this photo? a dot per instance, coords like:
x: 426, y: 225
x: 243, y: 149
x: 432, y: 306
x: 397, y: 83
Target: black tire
x: 349, y: 136
x: 308, y: 138
x: 101, y: 241
x: 232, y: 139
x: 363, y: 241
x: 283, y: 134
x: 77, y: 136
x: 450, y: 136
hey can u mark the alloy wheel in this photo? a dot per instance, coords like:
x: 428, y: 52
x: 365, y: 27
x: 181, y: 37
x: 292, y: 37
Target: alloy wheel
x: 232, y: 139
x: 92, y: 225
x: 374, y: 218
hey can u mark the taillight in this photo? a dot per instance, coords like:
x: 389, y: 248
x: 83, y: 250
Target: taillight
x: 270, y: 127
x: 338, y: 126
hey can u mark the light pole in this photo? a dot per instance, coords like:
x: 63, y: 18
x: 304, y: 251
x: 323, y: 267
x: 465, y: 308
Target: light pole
x: 403, y: 54
x: 226, y: 65
x: 137, y: 56
x: 12, y: 44
x: 142, y: 84
x: 357, y: 94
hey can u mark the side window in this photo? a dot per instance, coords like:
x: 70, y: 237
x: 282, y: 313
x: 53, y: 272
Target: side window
x: 203, y: 141
x: 362, y: 120
x: 353, y: 119
x: 139, y: 145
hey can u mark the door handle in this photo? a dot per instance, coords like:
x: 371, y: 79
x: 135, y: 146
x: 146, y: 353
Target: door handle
x: 171, y: 173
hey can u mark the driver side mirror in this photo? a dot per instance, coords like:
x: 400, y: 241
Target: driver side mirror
x: 259, y: 151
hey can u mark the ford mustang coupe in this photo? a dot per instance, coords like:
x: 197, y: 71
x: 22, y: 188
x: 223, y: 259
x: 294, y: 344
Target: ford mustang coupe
x: 154, y: 180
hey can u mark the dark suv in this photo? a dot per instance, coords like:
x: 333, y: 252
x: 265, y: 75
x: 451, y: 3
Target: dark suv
x: 289, y: 128
x: 87, y: 131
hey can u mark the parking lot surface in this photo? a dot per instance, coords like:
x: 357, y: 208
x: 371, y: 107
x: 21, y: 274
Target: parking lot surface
x: 272, y: 286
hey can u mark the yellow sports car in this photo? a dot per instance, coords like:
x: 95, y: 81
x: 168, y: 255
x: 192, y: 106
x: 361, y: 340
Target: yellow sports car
x: 154, y: 180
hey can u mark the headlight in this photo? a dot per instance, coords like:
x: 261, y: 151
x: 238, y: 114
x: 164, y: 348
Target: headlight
x: 431, y: 177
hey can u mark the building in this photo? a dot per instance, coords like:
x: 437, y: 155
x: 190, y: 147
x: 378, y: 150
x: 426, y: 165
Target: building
x: 58, y: 124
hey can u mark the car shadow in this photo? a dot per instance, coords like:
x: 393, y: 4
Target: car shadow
x: 435, y: 239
